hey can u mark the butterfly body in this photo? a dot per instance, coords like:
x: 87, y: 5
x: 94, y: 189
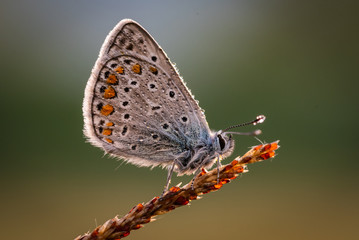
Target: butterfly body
x: 137, y: 107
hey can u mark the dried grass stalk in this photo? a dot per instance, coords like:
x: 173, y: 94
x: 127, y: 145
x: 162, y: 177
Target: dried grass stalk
x: 205, y: 182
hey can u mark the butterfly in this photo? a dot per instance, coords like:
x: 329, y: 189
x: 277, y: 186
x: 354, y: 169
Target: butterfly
x: 138, y: 108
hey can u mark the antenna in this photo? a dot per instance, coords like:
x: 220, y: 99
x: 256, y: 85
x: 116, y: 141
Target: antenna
x: 259, y: 119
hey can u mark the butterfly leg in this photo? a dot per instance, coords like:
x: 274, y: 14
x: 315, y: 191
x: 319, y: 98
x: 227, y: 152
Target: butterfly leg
x: 218, y: 166
x: 169, y: 176
x: 195, y: 176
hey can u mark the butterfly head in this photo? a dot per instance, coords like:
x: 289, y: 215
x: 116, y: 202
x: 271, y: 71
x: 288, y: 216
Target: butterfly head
x: 223, y: 142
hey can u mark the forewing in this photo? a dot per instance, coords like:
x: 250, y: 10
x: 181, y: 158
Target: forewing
x: 136, y: 105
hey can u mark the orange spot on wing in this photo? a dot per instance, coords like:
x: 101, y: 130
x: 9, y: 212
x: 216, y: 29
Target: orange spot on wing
x: 153, y: 70
x: 109, y: 124
x: 112, y: 79
x: 107, y: 132
x: 136, y: 68
x: 109, y: 92
x: 119, y: 70
x: 106, y: 110
x: 108, y: 140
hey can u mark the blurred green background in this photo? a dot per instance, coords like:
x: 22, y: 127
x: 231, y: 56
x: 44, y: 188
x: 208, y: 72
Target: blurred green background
x: 294, y: 61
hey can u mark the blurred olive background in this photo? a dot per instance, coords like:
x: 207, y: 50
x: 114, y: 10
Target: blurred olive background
x: 294, y: 61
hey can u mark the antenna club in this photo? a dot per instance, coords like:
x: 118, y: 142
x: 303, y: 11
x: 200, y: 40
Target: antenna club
x: 259, y: 119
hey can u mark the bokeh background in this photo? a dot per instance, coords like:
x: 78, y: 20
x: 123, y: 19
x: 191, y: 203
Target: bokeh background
x: 294, y: 61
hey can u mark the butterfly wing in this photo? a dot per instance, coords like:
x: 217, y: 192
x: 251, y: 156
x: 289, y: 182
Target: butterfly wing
x: 136, y: 105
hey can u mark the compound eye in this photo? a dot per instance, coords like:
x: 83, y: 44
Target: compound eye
x: 222, y: 142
